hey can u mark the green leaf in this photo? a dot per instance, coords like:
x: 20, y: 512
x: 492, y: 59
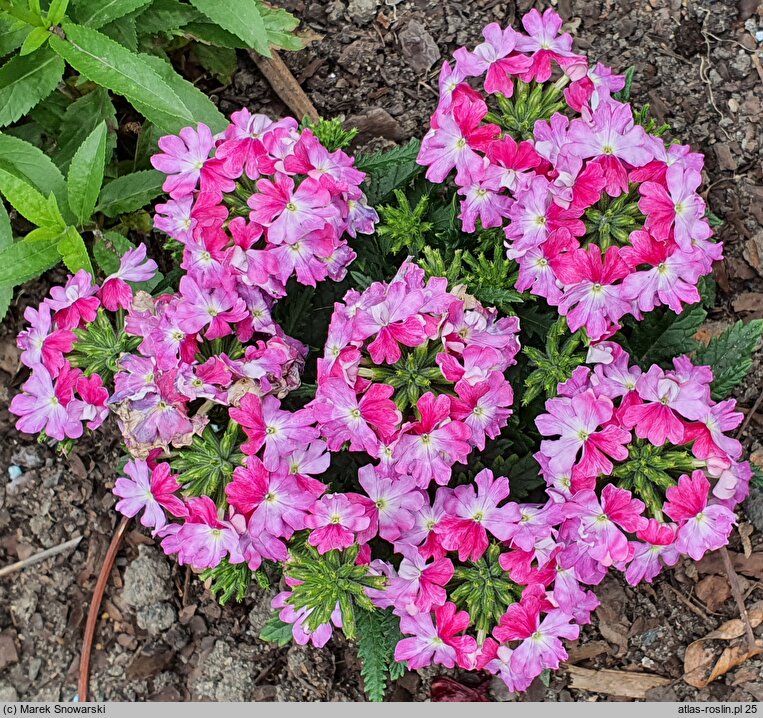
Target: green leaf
x: 97, y: 13
x: 276, y: 631
x: 211, y: 34
x: 166, y: 16
x: 241, y: 17
x: 6, y: 233
x: 389, y: 170
x: 24, y: 81
x: 72, y: 248
x: 13, y: 32
x: 57, y: 10
x: 378, y: 634
x: 730, y: 356
x: 130, y: 192
x: 30, y: 257
x: 124, y: 31
x: 31, y: 203
x: 105, y: 62
x: 201, y: 107
x: 32, y: 165
x: 218, y: 61
x: 662, y: 335
x: 80, y: 119
x: 280, y: 26
x: 108, y: 248
x: 86, y: 174
x: 34, y: 40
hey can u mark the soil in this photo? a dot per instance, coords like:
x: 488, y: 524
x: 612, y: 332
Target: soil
x: 161, y: 635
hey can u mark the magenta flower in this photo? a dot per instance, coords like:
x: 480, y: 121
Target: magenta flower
x: 430, y: 447
x: 472, y: 514
x: 395, y: 502
x: 427, y: 518
x: 74, y: 304
x: 41, y: 344
x: 494, y: 56
x: 203, y: 540
x: 133, y: 267
x: 175, y: 219
x: 599, y: 522
x: 91, y: 408
x: 495, y: 658
x: 440, y: 645
x: 612, y: 138
x: 279, y: 431
x: 547, y: 44
x: 419, y: 586
x: 275, y: 503
x: 183, y: 159
x: 577, y: 421
x: 343, y: 416
x: 306, y: 461
x: 677, y: 206
x: 148, y: 490
x: 44, y: 407
x: 215, y: 308
x: 592, y: 298
x: 701, y: 528
x: 298, y: 619
x: 335, y: 520
x: 655, y: 550
x: 483, y: 407
x: 243, y: 149
x: 483, y: 203
x: 708, y: 433
x: 509, y: 162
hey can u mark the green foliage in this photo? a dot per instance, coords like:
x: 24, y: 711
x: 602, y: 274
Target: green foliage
x: 378, y: 634
x: 228, y: 580
x: 206, y: 467
x: 389, y: 170
x: 25, y: 80
x: 108, y: 247
x: 29, y: 257
x: 276, y: 631
x: 243, y: 18
x: 556, y: 364
x: 73, y: 251
x: 130, y: 192
x: 86, y: 174
x: 31, y: 164
x: 330, y: 579
x: 662, y: 334
x: 97, y: 13
x: 624, y: 95
x: 403, y: 227
x: 331, y: 133
x: 484, y: 589
x: 730, y: 355
x: 28, y: 201
x: 530, y: 102
x: 99, y: 346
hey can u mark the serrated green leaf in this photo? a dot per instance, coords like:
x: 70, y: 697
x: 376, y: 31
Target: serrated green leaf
x: 730, y: 356
x: 29, y: 257
x: 130, y: 192
x: 662, y: 335
x: 211, y: 34
x: 31, y: 203
x: 97, y: 13
x: 276, y: 631
x: 124, y: 31
x: 202, y: 108
x: 6, y: 240
x: 240, y: 17
x: 107, y: 250
x: 280, y: 26
x: 388, y: 171
x: 86, y: 174
x: 24, y: 81
x: 166, y: 16
x: 73, y: 251
x: 13, y: 32
x: 218, y: 61
x: 31, y: 164
x: 81, y: 117
x: 104, y: 61
x: 57, y: 10
x: 34, y: 40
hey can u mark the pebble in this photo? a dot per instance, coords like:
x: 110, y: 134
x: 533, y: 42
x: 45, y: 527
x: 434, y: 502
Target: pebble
x: 418, y: 46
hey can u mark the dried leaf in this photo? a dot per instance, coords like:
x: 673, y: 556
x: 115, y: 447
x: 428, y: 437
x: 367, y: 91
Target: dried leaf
x: 752, y: 566
x: 626, y: 684
x: 713, y: 591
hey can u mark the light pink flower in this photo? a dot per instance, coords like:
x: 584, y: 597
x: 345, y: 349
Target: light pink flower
x: 148, y: 490
x: 335, y: 520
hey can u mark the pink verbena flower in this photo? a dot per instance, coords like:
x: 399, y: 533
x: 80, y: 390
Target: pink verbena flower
x: 41, y: 344
x: 655, y: 550
x: 115, y: 293
x: 335, y: 520
x: 438, y: 644
x: 418, y: 585
x: 183, y: 159
x: 148, y: 490
x: 546, y: 44
x: 74, y: 304
x: 701, y: 528
x: 394, y: 502
x: 301, y: 632
x: 216, y: 309
x: 483, y: 407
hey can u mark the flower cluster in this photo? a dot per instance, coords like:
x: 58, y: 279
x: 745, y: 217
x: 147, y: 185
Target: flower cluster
x: 602, y: 217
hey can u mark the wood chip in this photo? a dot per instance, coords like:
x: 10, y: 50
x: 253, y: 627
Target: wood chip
x: 625, y: 684
x: 578, y: 654
x: 285, y: 85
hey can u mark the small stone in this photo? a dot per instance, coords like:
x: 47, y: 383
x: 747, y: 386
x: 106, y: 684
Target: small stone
x: 362, y: 11
x: 499, y: 691
x: 418, y: 46
x: 753, y: 508
x: 725, y: 157
x: 375, y: 122
x: 156, y: 619
x: 8, y: 694
x: 8, y: 653
x: 147, y: 579
x: 753, y: 251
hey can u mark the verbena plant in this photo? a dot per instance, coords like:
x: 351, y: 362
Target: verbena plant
x: 436, y: 426
x: 63, y: 61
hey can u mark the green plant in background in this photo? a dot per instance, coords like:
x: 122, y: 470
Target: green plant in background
x: 64, y: 61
